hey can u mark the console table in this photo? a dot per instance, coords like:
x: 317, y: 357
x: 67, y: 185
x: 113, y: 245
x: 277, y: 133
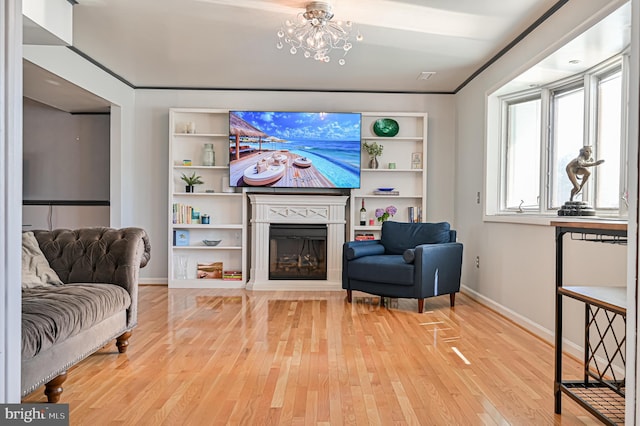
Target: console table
x: 600, y: 391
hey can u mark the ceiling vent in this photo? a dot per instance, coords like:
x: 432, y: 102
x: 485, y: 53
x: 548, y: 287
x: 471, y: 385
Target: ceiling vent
x: 426, y: 75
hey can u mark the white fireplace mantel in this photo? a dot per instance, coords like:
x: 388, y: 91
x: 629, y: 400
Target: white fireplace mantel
x: 310, y: 209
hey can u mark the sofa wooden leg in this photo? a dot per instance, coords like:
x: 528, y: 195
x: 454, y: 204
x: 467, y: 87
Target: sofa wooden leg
x: 452, y: 299
x: 122, y: 342
x: 420, y: 305
x: 349, y: 295
x: 53, y: 389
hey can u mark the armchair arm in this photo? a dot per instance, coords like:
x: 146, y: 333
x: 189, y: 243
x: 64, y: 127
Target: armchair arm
x: 438, y: 268
x: 354, y: 249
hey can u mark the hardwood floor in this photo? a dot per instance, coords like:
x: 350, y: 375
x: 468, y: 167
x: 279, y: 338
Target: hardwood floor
x: 204, y: 357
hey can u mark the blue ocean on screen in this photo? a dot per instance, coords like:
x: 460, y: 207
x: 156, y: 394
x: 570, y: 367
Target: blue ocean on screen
x: 330, y: 140
x: 339, y: 161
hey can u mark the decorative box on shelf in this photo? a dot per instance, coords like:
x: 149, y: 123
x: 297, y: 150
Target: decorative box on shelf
x: 210, y: 270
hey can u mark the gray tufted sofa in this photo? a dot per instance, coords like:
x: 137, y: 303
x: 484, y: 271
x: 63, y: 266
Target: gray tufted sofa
x: 63, y: 324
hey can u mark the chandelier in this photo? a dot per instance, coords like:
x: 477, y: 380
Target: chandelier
x: 316, y: 35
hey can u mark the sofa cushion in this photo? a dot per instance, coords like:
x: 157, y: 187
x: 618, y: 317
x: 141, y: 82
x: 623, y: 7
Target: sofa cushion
x: 397, y: 236
x: 36, y: 271
x: 382, y: 269
x: 52, y: 314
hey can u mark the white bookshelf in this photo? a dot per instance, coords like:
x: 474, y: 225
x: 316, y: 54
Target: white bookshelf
x: 227, y: 210
x: 408, y: 179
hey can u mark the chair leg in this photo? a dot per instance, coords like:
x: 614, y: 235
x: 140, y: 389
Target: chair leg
x: 53, y: 389
x: 452, y: 299
x: 420, y: 306
x: 349, y: 296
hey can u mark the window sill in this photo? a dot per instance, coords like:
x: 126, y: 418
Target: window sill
x: 545, y: 220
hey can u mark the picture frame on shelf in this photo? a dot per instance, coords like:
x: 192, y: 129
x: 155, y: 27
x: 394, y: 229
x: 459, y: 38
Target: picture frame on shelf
x: 211, y: 270
x: 416, y: 160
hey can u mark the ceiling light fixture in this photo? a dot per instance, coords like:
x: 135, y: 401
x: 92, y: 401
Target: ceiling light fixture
x: 316, y: 35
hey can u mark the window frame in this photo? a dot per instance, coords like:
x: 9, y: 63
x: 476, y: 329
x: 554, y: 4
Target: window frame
x: 588, y: 81
x: 507, y: 102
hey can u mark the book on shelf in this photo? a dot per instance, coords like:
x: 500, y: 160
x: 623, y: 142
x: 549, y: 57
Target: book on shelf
x: 376, y: 192
x: 365, y: 237
x: 184, y: 214
x: 180, y: 237
x: 211, y: 270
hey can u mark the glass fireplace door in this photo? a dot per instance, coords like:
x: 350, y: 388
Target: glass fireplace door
x: 297, y: 252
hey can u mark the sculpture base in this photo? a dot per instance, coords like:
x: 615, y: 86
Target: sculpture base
x: 576, y: 208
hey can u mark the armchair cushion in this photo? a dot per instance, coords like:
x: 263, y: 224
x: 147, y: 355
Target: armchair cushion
x: 382, y: 269
x: 355, y: 250
x: 409, y: 255
x: 398, y: 237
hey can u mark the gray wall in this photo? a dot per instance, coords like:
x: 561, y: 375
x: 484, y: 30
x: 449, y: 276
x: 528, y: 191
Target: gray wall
x: 66, y: 156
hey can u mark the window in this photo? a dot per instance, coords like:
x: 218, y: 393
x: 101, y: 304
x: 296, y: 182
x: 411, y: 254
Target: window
x: 567, y: 108
x: 609, y: 135
x: 545, y: 128
x: 523, y: 154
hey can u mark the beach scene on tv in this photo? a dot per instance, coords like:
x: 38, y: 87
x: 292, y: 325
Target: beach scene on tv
x: 294, y: 149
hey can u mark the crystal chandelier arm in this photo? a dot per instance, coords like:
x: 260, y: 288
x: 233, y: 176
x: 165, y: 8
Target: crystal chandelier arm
x: 316, y: 35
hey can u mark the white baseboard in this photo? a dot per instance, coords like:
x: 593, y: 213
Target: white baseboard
x: 524, y: 322
x: 153, y: 281
x: 534, y: 328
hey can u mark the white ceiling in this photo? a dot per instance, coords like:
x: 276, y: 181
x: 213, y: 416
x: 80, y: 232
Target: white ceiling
x: 231, y: 44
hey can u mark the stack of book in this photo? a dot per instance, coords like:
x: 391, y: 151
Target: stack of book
x: 232, y: 275
x: 364, y: 237
x: 378, y: 192
x: 185, y: 214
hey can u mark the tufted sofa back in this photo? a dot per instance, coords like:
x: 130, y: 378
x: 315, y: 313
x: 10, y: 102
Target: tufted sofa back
x: 98, y: 255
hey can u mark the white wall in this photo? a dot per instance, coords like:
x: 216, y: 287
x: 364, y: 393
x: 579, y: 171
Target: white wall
x: 632, y: 377
x: 10, y: 198
x: 517, y: 269
x: 124, y: 171
x: 152, y: 145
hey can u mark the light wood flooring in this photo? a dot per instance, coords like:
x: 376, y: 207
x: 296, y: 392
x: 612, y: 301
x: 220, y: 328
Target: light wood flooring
x: 217, y: 357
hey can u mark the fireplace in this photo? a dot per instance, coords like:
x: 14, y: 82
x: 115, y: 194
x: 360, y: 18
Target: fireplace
x: 297, y: 251
x: 299, y: 263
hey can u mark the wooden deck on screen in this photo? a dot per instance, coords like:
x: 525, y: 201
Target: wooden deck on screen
x: 204, y: 357
x: 294, y: 176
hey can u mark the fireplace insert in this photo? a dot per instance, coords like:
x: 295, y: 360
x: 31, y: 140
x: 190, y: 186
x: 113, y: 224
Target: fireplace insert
x: 297, y: 251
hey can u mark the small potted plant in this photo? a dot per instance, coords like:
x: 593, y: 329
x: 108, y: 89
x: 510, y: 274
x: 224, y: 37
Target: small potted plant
x: 374, y: 150
x: 191, y: 181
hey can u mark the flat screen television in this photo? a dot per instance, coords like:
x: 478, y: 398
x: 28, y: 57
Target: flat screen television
x: 294, y: 149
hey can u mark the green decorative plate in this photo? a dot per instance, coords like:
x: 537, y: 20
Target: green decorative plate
x: 386, y: 127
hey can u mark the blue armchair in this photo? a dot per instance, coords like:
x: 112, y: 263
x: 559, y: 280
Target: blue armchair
x: 410, y: 260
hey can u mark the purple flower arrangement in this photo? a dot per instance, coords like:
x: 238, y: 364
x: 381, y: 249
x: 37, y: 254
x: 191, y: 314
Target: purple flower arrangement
x: 384, y: 214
